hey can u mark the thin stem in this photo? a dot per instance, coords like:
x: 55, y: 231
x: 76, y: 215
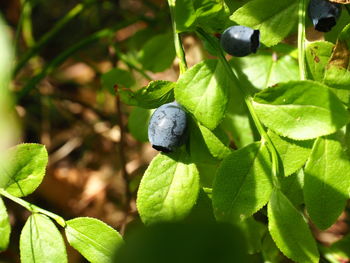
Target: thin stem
x: 248, y: 101
x: 122, y: 157
x: 60, y: 24
x: 301, y: 39
x: 33, y: 208
x: 20, y: 25
x: 50, y: 67
x: 121, y: 145
x: 180, y: 53
x: 27, y: 23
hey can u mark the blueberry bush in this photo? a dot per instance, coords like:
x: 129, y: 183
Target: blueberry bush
x: 254, y: 138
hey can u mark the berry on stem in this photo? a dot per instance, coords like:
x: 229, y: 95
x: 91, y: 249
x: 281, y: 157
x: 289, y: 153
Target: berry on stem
x: 240, y: 41
x: 167, y: 127
x: 324, y: 14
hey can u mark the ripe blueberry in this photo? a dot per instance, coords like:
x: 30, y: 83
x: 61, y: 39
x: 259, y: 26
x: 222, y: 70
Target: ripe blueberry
x: 324, y: 14
x: 240, y: 41
x: 167, y: 126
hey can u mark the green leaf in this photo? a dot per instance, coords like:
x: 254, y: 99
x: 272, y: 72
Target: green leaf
x: 181, y: 242
x: 275, y: 19
x: 203, y: 91
x: 253, y: 232
x: 41, y: 241
x: 267, y: 69
x: 293, y: 154
x: 317, y: 56
x: 24, y: 169
x: 184, y: 15
x: 8, y: 127
x: 5, y: 227
x: 155, y: 94
x: 237, y: 120
x: 290, y: 231
x: 327, y: 184
x: 94, y: 239
x: 198, y: 149
x: 207, y: 173
x: 243, y: 183
x: 168, y: 189
x: 206, y: 149
x: 6, y: 55
x: 158, y: 53
x: 118, y: 77
x: 338, y: 69
x: 300, y: 110
x: 214, y: 143
x: 270, y: 251
x: 292, y: 187
x: 212, y: 15
x: 205, y: 145
x: 138, y: 123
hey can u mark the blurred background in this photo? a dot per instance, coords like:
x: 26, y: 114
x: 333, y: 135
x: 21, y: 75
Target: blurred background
x: 66, y: 54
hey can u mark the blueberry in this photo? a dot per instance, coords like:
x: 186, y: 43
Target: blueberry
x: 240, y: 41
x: 324, y: 14
x: 167, y: 127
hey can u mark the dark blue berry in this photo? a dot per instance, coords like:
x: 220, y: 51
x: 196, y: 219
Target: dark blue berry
x: 167, y: 127
x: 324, y: 14
x: 240, y: 41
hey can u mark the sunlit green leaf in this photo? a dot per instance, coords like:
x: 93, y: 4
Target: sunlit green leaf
x: 327, y: 183
x: 158, y: 53
x: 293, y: 154
x: 5, y: 227
x: 317, y: 56
x: 243, y: 183
x: 290, y: 231
x: 300, y: 110
x: 275, y: 19
x: 94, y: 239
x: 155, y: 94
x: 168, y: 189
x: 8, y: 129
x: 41, y: 241
x: 24, y: 169
x: 203, y: 90
x: 266, y: 69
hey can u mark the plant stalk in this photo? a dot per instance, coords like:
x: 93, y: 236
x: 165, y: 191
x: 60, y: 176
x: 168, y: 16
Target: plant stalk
x: 180, y: 53
x: 248, y: 101
x: 33, y: 208
x: 301, y: 39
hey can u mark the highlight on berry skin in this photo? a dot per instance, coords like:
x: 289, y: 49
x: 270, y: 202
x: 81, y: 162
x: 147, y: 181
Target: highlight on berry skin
x: 167, y: 127
x: 240, y: 41
x: 324, y: 14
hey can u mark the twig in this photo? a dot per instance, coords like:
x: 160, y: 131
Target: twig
x: 122, y: 158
